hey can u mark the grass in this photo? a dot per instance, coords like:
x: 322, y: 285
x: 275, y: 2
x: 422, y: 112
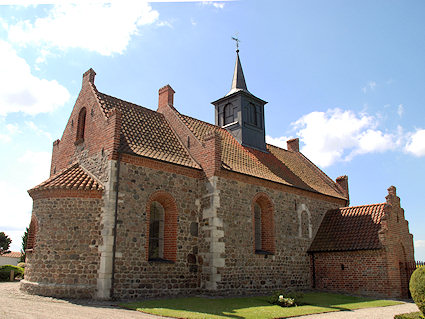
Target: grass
x: 252, y: 307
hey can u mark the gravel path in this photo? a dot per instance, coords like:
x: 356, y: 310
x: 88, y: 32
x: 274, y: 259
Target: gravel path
x: 15, y: 304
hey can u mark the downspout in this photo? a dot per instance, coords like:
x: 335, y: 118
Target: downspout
x: 114, y: 246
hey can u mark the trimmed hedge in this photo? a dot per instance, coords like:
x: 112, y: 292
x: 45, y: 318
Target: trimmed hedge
x: 5, y: 272
x: 417, y: 288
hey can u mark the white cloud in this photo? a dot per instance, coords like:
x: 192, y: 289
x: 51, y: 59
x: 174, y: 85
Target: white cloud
x: 31, y: 125
x: 21, y: 91
x: 339, y: 135
x: 102, y: 27
x: 419, y: 249
x: 218, y: 5
x: 369, y: 87
x: 416, y: 143
x: 400, y: 110
x: 8, y: 131
x: 37, y: 166
x: 278, y: 141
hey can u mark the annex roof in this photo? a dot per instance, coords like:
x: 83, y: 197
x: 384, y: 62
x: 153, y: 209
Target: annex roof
x: 350, y: 228
x: 74, y: 177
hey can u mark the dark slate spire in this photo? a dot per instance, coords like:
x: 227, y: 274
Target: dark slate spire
x: 238, y: 82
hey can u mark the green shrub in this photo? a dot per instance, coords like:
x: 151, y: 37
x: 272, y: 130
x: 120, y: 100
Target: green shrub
x: 22, y: 265
x: 411, y: 315
x: 5, y: 272
x: 417, y: 288
x: 286, y: 299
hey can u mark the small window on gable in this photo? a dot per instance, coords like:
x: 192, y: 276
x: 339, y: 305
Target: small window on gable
x: 156, y: 231
x: 81, y: 125
x: 228, y: 114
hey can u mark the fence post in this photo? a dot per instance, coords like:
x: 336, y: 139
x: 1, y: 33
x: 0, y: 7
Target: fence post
x: 12, y: 275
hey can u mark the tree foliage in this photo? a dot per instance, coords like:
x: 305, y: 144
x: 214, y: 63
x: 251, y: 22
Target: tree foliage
x: 24, y: 245
x: 4, y: 243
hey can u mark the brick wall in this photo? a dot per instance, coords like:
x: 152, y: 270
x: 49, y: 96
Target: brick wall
x: 362, y: 272
x: 372, y: 272
x: 65, y: 258
x: 101, y: 134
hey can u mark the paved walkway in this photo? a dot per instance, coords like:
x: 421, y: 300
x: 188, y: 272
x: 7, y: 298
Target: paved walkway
x: 368, y: 313
x: 15, y: 304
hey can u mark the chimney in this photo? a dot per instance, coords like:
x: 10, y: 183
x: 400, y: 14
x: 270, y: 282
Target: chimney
x: 342, y: 182
x: 293, y: 145
x: 166, y: 96
x: 88, y: 76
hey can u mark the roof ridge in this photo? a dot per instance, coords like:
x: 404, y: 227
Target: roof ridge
x: 327, y: 179
x: 358, y: 206
x: 127, y: 102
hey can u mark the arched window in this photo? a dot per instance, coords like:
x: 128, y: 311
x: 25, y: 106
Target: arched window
x: 257, y: 226
x: 81, y: 125
x: 263, y: 227
x: 228, y: 114
x: 161, y: 244
x: 252, y: 114
x: 32, y: 234
x: 305, y: 227
x: 156, y: 231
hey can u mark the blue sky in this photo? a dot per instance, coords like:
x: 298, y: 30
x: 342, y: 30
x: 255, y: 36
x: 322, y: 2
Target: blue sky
x: 347, y: 77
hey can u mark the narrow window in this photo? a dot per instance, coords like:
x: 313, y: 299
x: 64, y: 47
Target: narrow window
x: 263, y: 228
x: 257, y: 225
x: 252, y: 116
x: 156, y: 231
x: 304, y: 225
x: 228, y: 114
x: 81, y: 125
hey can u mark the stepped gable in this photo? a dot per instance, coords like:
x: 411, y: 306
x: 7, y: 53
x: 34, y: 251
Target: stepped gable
x: 146, y: 133
x: 277, y: 165
x: 74, y: 177
x: 350, y: 228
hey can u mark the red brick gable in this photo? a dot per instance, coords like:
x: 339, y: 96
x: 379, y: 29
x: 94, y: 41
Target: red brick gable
x: 350, y: 228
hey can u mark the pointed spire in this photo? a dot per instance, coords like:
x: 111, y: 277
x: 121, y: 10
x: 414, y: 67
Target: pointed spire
x: 238, y: 82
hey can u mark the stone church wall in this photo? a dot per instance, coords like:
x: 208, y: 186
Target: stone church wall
x: 135, y: 276
x: 65, y: 259
x: 289, y: 266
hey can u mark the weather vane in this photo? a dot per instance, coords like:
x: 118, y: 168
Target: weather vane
x: 236, y: 39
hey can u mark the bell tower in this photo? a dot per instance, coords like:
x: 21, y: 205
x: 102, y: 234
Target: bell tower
x: 241, y: 113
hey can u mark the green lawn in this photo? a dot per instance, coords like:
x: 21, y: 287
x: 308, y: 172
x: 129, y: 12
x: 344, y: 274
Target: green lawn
x: 252, y: 307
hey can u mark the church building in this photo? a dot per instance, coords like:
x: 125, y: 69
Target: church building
x: 144, y: 203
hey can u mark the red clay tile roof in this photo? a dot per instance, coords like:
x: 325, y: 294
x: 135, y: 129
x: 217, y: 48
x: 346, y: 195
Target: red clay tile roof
x: 349, y: 228
x: 73, y: 177
x: 147, y: 133
x: 12, y: 254
x: 279, y: 165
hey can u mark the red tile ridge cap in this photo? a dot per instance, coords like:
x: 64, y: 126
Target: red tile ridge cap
x: 360, y: 206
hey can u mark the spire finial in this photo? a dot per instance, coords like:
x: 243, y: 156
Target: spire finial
x: 236, y: 39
